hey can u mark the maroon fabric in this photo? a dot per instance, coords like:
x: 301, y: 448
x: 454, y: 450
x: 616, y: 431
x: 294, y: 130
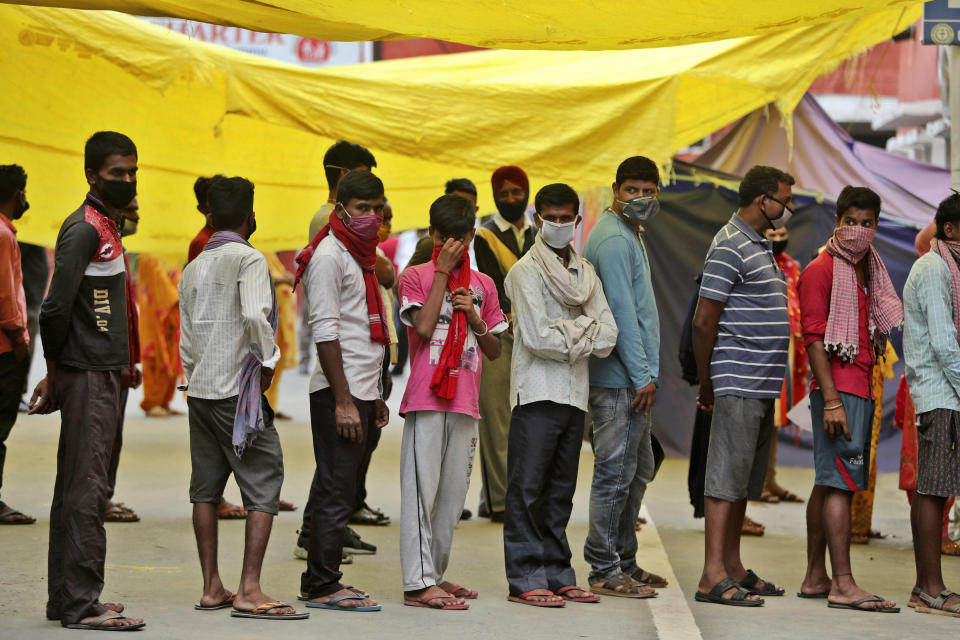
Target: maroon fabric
x: 199, y: 242
x: 444, y: 382
x: 514, y: 174
x: 816, y: 282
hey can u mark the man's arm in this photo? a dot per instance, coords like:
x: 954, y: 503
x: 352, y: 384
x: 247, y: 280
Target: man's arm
x: 186, y: 336
x: 934, y: 293
x: 256, y: 303
x: 346, y: 415
x: 383, y: 269
x: 488, y: 264
x: 75, y: 248
x: 11, y: 321
x: 605, y: 338
x: 542, y: 335
x: 706, y: 319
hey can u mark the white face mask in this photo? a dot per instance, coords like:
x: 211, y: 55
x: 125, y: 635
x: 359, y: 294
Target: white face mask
x: 558, y: 235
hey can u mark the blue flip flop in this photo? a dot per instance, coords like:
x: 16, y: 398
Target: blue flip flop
x: 332, y: 604
x: 353, y: 589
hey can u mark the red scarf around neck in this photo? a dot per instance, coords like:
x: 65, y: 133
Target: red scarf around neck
x: 365, y: 253
x: 444, y: 382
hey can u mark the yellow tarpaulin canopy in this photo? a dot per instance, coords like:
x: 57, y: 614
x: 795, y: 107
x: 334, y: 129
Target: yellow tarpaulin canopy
x: 196, y: 109
x: 509, y: 24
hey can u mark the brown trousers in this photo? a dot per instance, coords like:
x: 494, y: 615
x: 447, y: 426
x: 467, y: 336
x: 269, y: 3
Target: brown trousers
x: 90, y: 405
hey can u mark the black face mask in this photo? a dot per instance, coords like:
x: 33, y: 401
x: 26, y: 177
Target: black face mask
x: 22, y: 209
x: 779, y: 246
x: 512, y: 211
x: 117, y: 193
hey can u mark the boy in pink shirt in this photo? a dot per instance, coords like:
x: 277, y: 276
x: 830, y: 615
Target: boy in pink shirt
x: 453, y: 314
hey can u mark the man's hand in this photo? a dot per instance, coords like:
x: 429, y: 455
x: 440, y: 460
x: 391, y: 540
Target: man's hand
x: 348, y: 421
x: 835, y: 423
x: 44, y: 398
x: 644, y: 399
x: 705, y: 397
x: 450, y: 254
x: 20, y: 350
x: 136, y: 379
x: 383, y: 414
x: 463, y: 301
x: 266, y: 378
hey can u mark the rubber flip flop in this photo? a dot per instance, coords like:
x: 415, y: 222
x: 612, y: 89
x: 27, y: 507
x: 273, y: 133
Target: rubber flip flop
x: 750, y: 581
x: 588, y: 598
x: 216, y: 607
x: 359, y: 592
x: 331, y: 605
x: 855, y: 606
x: 7, y: 514
x: 523, y: 598
x: 260, y: 613
x: 818, y: 595
x: 97, y: 625
x: 462, y: 592
x: 424, y: 603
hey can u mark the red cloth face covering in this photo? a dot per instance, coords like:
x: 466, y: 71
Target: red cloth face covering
x: 444, y: 382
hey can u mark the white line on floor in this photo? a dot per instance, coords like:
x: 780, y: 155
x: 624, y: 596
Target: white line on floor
x: 671, y: 613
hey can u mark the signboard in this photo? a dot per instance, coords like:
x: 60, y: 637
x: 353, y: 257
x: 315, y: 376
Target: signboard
x: 941, y: 22
x: 291, y: 49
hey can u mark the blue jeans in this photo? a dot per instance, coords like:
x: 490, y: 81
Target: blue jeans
x: 623, y: 466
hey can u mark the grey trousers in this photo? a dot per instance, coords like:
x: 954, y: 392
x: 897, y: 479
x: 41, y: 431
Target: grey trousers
x: 89, y: 422
x: 494, y: 425
x: 436, y: 459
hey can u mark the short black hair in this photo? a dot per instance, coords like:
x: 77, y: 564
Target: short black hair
x: 12, y: 179
x: 201, y: 186
x: 762, y: 181
x: 556, y: 195
x: 451, y: 214
x: 638, y: 168
x: 948, y: 211
x: 859, y: 197
x: 345, y: 155
x: 231, y: 201
x: 462, y: 185
x: 104, y: 144
x: 359, y: 185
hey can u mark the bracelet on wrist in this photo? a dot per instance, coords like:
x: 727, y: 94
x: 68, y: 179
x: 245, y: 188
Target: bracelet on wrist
x: 831, y: 400
x: 834, y: 407
x: 486, y: 330
x: 446, y: 273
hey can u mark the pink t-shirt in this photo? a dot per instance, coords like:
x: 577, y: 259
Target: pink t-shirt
x: 415, y: 283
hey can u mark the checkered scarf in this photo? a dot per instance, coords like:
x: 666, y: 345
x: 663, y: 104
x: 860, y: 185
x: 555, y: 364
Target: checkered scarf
x: 851, y: 244
x: 949, y: 250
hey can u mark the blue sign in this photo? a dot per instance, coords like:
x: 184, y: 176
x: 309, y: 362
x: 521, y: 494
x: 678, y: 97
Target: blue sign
x: 941, y: 22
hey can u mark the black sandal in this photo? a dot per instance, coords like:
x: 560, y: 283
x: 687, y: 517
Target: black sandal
x: 738, y: 599
x: 750, y: 581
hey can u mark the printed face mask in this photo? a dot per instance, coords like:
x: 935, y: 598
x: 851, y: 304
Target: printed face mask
x: 640, y: 209
x: 855, y: 239
x: 558, y: 235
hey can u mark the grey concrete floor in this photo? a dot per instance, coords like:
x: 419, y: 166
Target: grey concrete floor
x: 152, y: 567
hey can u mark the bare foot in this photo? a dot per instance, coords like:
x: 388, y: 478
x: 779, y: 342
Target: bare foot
x: 250, y: 601
x: 217, y: 594
x: 543, y: 595
x: 850, y: 593
x: 346, y: 604
x: 115, y: 622
x: 439, y: 598
x: 14, y: 516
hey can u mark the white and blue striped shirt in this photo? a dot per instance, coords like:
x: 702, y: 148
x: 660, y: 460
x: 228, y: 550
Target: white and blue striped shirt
x: 753, y: 333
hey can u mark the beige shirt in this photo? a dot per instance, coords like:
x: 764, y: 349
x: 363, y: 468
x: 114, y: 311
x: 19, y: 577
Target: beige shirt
x: 320, y: 219
x: 225, y: 299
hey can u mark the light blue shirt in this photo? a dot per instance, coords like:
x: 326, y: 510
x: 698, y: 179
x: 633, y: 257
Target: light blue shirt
x: 930, y: 349
x: 620, y: 259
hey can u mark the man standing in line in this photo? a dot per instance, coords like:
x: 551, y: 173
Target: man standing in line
x: 498, y: 245
x: 623, y: 386
x: 931, y: 331
x: 741, y: 333
x: 848, y: 306
x: 84, y: 325
x: 346, y: 319
x: 14, y: 337
x: 200, y: 188
x: 227, y: 345
x: 561, y: 318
